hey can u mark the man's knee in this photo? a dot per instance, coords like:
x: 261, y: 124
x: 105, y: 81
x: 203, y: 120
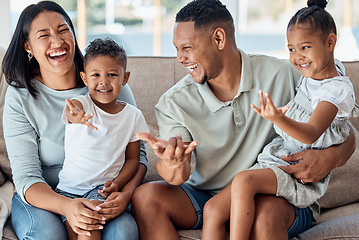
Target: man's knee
x: 272, y: 214
x: 147, y: 199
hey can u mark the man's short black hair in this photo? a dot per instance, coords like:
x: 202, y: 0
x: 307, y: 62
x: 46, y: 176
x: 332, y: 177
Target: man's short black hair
x: 204, y: 13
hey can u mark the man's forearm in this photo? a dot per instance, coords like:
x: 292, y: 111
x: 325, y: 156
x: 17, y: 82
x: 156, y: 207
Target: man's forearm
x: 346, y: 149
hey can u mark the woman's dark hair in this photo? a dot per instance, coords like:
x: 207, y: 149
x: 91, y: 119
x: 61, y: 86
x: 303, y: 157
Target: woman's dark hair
x: 17, y: 68
x: 316, y: 16
x: 204, y: 13
x: 106, y: 47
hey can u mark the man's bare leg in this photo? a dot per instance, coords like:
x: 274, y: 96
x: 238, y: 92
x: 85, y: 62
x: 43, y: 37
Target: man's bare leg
x: 160, y: 208
x: 274, y: 216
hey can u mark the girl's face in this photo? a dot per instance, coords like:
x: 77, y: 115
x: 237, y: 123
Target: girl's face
x: 52, y: 43
x: 311, y: 53
x: 104, y: 77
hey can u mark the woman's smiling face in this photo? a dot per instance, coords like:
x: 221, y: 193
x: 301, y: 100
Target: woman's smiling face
x: 52, y: 43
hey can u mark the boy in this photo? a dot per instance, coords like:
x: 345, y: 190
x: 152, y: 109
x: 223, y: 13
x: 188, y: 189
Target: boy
x: 101, y: 149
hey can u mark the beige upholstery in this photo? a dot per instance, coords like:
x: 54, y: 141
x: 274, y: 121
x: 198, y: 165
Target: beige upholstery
x: 152, y: 76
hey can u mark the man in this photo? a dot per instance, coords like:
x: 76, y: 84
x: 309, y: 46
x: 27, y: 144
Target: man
x: 209, y: 111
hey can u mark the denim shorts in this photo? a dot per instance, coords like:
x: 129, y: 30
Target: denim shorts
x: 302, y: 221
x: 90, y: 195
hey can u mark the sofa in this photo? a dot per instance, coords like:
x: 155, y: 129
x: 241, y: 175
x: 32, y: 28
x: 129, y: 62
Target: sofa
x: 152, y: 76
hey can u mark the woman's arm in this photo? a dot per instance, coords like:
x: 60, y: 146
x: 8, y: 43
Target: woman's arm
x: 81, y: 213
x: 23, y: 122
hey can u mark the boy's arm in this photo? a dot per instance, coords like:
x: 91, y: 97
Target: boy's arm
x: 130, y: 166
x: 75, y: 114
x: 117, y: 202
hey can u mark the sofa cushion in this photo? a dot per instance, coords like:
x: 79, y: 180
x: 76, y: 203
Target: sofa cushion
x: 5, y: 171
x: 343, y: 186
x: 340, y: 228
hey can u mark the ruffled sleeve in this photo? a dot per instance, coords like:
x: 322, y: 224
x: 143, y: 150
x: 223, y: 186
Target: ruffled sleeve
x: 338, y: 91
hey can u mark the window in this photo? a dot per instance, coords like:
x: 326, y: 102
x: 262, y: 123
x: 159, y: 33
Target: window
x: 144, y: 27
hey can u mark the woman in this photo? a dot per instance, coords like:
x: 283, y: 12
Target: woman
x: 42, y: 66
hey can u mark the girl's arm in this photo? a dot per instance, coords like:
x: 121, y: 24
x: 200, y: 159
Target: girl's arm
x: 307, y: 133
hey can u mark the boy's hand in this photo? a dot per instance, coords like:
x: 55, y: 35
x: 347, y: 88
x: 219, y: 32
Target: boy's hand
x: 267, y: 109
x: 76, y: 115
x: 108, y: 188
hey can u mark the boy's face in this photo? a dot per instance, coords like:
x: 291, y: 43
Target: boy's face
x: 104, y: 77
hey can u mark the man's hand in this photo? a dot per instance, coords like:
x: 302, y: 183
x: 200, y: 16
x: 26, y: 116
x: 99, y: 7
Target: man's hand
x: 174, y: 157
x: 76, y: 115
x: 172, y: 151
x: 314, y: 165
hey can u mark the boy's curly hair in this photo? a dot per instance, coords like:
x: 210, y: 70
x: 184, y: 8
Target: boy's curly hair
x: 106, y: 47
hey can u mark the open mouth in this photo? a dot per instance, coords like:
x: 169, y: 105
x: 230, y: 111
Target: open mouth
x: 192, y: 68
x: 103, y: 91
x: 58, y: 55
x: 304, y: 65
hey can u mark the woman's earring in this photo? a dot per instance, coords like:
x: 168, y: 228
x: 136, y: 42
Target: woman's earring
x: 30, y: 55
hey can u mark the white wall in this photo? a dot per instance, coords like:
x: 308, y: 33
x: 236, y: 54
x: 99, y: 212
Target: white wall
x: 5, y: 23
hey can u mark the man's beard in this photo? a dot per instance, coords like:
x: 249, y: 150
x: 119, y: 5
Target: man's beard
x: 215, y: 71
x: 204, y: 79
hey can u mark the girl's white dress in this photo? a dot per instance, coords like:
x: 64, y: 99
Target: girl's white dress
x: 338, y: 91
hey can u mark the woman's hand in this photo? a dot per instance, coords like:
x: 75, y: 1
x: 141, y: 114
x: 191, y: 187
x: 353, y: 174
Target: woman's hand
x: 115, y: 204
x: 83, y: 216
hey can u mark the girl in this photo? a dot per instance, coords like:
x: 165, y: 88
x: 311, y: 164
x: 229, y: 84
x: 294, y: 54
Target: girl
x: 315, y: 119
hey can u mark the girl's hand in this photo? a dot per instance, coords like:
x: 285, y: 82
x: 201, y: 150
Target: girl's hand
x: 267, y: 109
x: 108, y: 188
x: 115, y: 204
x: 76, y: 115
x: 83, y: 216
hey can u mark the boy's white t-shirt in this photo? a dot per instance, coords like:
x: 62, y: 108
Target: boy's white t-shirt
x: 93, y: 157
